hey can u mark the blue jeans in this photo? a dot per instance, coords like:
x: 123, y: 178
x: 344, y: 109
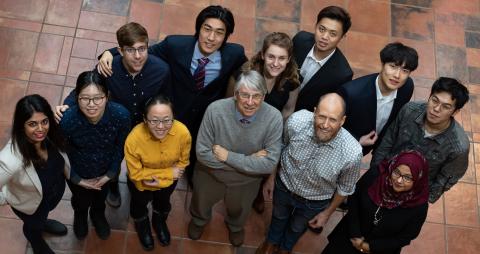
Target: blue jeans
x: 290, y: 216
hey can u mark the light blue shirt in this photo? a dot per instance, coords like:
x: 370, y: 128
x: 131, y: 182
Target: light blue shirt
x: 212, y: 69
x: 239, y: 116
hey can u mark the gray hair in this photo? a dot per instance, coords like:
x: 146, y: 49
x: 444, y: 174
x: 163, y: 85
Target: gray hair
x: 252, y: 80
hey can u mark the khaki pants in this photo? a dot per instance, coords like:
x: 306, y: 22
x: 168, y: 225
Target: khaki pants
x: 207, y: 191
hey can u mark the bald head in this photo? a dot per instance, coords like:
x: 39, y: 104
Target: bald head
x: 329, y: 116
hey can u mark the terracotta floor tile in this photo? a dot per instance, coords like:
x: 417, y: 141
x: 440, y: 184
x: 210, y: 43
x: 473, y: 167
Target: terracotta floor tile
x: 66, y: 92
x: 65, y: 56
x: 12, y: 91
x: 178, y: 19
x: 436, y: 211
x: 114, y: 244
x: 215, y: 230
x: 469, y: 176
x: 12, y: 240
x: 426, y: 62
x: 48, y: 53
x: 100, y: 21
x: 115, y: 7
x: 198, y: 3
x: 84, y: 48
x: 460, y: 6
x: 377, y: 20
x: 463, y: 240
x: 102, y: 46
x: 134, y: 247
x: 461, y: 205
x: 266, y: 26
x: 245, y: 8
x: 63, y: 12
x: 472, y: 23
x: 5, y: 130
x: 79, y: 65
x: 474, y: 75
x: 361, y: 57
x: 418, y: 3
x: 200, y: 247
x: 96, y: 35
x: 47, y: 78
x: 245, y: 36
x: 21, y: 24
x: 310, y: 9
x: 149, y: 14
x: 430, y: 240
x: 23, y: 9
x: 284, y: 10
x: 421, y: 93
x: 67, y: 243
x: 50, y: 92
x: 472, y: 40
x: 15, y: 74
x: 456, y: 66
x: 21, y: 49
x: 412, y: 22
x: 450, y: 35
x: 59, y: 30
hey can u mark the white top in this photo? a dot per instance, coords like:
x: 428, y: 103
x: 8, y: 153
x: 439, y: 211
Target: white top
x: 384, y: 107
x: 311, y: 65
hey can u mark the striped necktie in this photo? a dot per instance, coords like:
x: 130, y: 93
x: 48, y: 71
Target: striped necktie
x: 245, y: 121
x: 199, y: 73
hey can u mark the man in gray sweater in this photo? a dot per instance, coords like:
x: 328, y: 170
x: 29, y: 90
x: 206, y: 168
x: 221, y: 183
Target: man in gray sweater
x: 239, y: 141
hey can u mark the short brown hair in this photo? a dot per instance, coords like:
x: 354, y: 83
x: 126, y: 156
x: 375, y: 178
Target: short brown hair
x: 130, y: 33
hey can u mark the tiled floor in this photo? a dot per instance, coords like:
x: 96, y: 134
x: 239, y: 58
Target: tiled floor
x: 45, y: 44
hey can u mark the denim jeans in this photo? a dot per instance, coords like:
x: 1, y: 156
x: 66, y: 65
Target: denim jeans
x: 290, y: 216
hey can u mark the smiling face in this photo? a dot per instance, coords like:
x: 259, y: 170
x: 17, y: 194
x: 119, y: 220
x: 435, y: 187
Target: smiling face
x: 329, y: 118
x: 276, y: 60
x: 248, y: 101
x: 328, y: 33
x: 134, y: 57
x: 211, y: 36
x: 159, y: 120
x: 401, y: 178
x: 392, y: 77
x: 92, y: 102
x: 36, y: 127
x: 440, y: 109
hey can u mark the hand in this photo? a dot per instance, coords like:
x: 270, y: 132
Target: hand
x: 220, y: 153
x: 365, y: 247
x: 268, y: 187
x: 89, y: 184
x: 177, y: 173
x: 357, y: 242
x: 368, y: 139
x: 319, y: 220
x: 59, y: 112
x: 101, y: 180
x: 152, y: 183
x: 104, y: 65
x: 261, y: 153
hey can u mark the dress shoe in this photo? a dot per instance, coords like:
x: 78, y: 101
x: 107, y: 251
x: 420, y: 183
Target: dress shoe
x: 159, y: 224
x: 236, y: 238
x: 101, y: 224
x: 80, y: 224
x: 266, y: 248
x: 55, y: 227
x: 113, y: 197
x: 194, y: 231
x: 142, y: 226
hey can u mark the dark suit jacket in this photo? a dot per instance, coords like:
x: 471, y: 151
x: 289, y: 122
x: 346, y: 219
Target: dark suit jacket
x: 361, y: 101
x: 190, y: 104
x: 335, y: 72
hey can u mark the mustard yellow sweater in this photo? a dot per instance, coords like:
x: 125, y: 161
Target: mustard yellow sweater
x: 147, y: 156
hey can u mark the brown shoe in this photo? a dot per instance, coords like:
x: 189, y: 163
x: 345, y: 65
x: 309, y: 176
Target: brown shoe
x: 194, y: 231
x: 266, y: 248
x: 236, y: 238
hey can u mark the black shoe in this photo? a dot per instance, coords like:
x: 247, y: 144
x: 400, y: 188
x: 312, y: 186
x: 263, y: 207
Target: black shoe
x: 144, y: 232
x: 80, y: 224
x: 55, y: 227
x: 113, y: 197
x: 101, y: 224
x: 159, y: 224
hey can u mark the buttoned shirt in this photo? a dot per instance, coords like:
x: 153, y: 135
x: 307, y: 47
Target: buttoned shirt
x: 313, y: 169
x: 446, y: 152
x: 133, y: 91
x: 212, y: 69
x: 384, y: 106
x: 311, y: 65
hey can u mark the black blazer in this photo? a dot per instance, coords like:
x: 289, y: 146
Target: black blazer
x: 335, y: 72
x: 361, y: 101
x: 190, y: 104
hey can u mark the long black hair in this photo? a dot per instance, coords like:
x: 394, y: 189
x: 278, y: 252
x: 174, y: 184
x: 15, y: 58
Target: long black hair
x: 24, y: 110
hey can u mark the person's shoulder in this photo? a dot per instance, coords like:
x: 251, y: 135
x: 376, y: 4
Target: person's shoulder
x: 351, y: 143
x: 178, y: 39
x: 302, y: 36
x: 11, y: 157
x: 156, y: 62
x: 463, y: 143
x: 118, y: 111
x: 181, y: 128
x: 359, y: 82
x: 300, y: 116
x: 271, y: 111
x: 69, y: 115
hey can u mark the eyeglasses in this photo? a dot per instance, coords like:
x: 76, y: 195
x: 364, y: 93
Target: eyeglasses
x: 131, y: 50
x: 435, y: 102
x: 406, y: 178
x: 96, y: 100
x: 34, y: 124
x: 156, y: 122
x: 246, y: 96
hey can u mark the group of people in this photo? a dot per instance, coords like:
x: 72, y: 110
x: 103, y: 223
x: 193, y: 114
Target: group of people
x: 288, y: 125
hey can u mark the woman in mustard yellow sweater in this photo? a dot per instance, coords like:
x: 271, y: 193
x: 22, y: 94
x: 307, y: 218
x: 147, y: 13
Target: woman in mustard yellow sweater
x: 157, y: 152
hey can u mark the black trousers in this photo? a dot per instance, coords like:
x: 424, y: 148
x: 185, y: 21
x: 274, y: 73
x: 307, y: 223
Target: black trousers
x: 139, y: 200
x: 83, y: 199
x: 33, y: 226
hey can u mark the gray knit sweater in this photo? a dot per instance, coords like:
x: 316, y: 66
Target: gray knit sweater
x: 220, y: 126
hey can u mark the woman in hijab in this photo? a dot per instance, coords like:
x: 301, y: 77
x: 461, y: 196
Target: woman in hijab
x: 387, y: 210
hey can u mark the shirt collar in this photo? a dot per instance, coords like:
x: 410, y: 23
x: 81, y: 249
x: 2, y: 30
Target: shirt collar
x: 392, y: 96
x: 321, y: 62
x: 213, y: 58
x: 171, y: 132
x: 239, y: 116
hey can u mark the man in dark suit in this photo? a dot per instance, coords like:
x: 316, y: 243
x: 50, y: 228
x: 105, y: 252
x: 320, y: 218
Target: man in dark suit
x: 200, y: 66
x: 323, y: 66
x: 373, y: 101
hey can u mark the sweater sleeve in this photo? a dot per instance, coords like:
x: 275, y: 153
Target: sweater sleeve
x: 205, y: 141
x: 252, y: 164
x: 410, y: 231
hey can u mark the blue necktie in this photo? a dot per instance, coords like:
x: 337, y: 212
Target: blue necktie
x: 199, y: 73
